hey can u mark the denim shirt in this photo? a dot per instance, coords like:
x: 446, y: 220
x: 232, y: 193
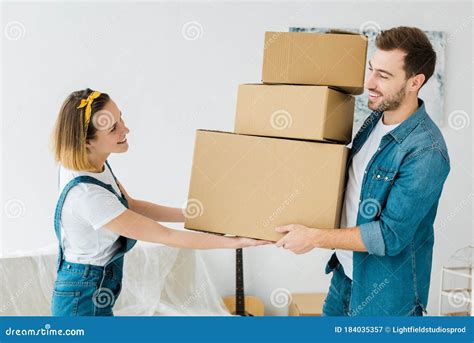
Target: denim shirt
x: 401, y: 188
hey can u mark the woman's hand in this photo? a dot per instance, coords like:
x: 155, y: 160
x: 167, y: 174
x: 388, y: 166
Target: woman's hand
x: 133, y: 225
x: 242, y: 242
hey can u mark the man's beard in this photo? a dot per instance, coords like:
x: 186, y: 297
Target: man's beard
x: 391, y: 103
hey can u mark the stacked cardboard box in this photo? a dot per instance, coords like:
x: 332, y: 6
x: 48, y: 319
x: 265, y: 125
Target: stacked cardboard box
x: 285, y: 163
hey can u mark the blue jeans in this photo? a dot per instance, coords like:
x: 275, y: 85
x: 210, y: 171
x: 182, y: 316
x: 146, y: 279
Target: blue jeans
x: 338, y: 300
x: 84, y: 290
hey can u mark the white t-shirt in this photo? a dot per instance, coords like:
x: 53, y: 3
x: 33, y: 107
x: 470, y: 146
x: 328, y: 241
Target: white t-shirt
x: 350, y: 206
x: 86, y: 209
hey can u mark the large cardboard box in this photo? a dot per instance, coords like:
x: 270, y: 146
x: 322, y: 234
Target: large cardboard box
x: 302, y: 112
x: 326, y: 59
x: 247, y: 185
x: 306, y: 304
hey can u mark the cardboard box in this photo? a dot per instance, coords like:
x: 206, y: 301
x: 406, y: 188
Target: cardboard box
x: 248, y: 185
x: 302, y: 112
x: 325, y: 59
x: 306, y: 304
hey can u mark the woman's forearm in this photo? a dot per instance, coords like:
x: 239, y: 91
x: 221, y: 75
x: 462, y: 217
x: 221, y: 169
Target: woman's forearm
x: 136, y: 226
x: 153, y: 211
x: 194, y: 240
x: 157, y: 212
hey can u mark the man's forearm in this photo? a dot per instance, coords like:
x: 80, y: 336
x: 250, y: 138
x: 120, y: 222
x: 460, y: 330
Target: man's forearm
x: 344, y: 238
x: 157, y: 212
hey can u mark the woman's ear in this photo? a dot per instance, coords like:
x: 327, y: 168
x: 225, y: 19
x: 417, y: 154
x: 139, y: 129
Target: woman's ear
x: 89, y: 143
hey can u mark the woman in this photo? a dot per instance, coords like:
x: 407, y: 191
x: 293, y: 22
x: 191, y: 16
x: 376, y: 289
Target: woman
x: 96, y: 220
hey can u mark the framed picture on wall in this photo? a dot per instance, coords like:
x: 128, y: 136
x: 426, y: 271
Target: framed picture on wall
x: 432, y: 92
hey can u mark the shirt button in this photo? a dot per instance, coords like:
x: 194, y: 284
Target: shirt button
x: 378, y: 149
x: 365, y: 172
x: 378, y: 176
x: 386, y: 178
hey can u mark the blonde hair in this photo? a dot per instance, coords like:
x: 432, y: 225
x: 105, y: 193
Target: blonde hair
x: 70, y: 133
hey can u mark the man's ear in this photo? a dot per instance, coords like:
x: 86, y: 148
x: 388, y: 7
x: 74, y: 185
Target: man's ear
x: 416, y: 82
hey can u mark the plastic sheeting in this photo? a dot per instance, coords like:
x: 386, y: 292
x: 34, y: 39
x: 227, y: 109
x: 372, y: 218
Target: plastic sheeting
x: 158, y: 280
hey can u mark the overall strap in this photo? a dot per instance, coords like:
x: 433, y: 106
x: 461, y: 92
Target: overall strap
x: 116, y: 181
x: 62, y: 198
x: 127, y: 243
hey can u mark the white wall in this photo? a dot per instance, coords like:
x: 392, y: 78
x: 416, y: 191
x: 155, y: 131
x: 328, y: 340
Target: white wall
x: 168, y: 86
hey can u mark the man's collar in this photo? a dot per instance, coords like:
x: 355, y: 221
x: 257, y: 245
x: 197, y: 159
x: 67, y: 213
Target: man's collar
x: 406, y: 127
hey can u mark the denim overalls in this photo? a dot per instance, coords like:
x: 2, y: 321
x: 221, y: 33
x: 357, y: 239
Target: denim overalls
x: 85, y: 289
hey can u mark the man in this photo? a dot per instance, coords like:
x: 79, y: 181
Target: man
x: 395, y: 174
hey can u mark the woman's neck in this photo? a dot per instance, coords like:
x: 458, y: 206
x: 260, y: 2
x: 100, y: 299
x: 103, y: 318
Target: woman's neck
x: 97, y: 162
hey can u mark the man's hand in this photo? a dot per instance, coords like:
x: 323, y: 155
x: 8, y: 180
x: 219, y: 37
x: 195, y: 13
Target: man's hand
x: 299, y: 238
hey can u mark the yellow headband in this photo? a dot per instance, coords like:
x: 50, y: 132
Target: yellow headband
x: 88, y: 103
